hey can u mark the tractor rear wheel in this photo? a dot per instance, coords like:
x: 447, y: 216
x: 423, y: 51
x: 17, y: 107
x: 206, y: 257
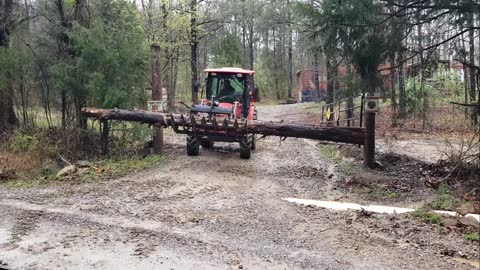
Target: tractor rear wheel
x: 207, y: 144
x: 254, y: 142
x: 245, y: 148
x: 193, y: 146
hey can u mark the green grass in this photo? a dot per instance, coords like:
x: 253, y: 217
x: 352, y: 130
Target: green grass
x: 100, y: 170
x: 330, y: 152
x: 379, y: 193
x: 429, y: 216
x: 391, y: 194
x: 350, y: 168
x: 445, y: 200
x: 475, y: 236
x: 109, y: 168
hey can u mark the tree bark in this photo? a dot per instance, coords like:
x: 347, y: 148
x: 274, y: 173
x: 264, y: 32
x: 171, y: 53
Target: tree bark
x: 401, y: 88
x: 290, y: 54
x: 156, y: 95
x: 156, y: 76
x: 194, y: 49
x: 465, y: 75
x: 330, y: 80
x: 81, y: 13
x: 316, y: 74
x: 171, y: 91
x: 393, y: 96
x: 422, y: 77
x: 8, y: 117
x: 471, y: 36
x: 275, y: 64
x: 82, y: 16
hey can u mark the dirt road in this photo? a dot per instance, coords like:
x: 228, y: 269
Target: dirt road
x: 214, y: 211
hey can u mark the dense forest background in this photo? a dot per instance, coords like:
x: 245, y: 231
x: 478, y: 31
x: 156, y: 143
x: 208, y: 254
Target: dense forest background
x: 57, y: 56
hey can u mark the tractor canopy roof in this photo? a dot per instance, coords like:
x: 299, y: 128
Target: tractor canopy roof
x: 229, y: 70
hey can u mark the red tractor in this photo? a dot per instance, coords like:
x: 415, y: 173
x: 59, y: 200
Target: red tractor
x: 229, y: 99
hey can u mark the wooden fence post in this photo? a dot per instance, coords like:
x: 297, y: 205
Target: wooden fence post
x: 158, y: 140
x: 369, y: 147
x: 104, y: 139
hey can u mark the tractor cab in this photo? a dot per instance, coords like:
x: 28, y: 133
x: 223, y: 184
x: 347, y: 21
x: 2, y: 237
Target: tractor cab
x: 226, y: 107
x: 228, y: 92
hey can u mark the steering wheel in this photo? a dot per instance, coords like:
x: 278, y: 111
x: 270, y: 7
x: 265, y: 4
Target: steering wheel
x: 229, y: 99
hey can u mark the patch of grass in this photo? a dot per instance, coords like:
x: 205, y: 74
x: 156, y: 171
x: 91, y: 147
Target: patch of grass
x: 105, y: 169
x: 100, y: 170
x: 350, y: 168
x: 475, y: 236
x: 27, y: 183
x: 381, y: 193
x: 33, y: 178
x: 330, y: 152
x: 445, y: 201
x: 391, y: 194
x: 429, y: 216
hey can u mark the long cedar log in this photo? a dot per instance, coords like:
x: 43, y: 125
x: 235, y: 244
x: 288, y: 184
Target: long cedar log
x: 334, y: 134
x: 151, y: 118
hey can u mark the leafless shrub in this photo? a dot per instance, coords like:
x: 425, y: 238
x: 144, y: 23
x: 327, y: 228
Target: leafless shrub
x: 466, y: 154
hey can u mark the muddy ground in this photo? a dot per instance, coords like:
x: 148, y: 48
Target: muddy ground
x: 216, y: 211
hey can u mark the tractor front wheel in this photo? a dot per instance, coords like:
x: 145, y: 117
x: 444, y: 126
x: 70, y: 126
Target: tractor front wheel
x: 193, y: 146
x: 245, y: 148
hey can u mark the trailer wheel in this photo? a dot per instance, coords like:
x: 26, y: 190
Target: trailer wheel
x: 245, y: 149
x: 193, y: 146
x: 207, y: 144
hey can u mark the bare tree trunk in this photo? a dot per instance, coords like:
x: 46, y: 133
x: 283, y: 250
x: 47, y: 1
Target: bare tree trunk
x: 105, y: 131
x: 82, y: 16
x: 244, y: 36
x: 64, y: 109
x: 7, y: 19
x: 393, y: 96
x: 157, y: 95
x: 465, y: 76
x: 23, y: 100
x: 290, y: 54
x: 275, y: 64
x: 194, y: 49
x: 171, y: 91
x: 422, y: 78
x: 7, y: 113
x: 250, y: 45
x: 316, y: 74
x: 330, y: 79
x: 471, y: 35
x: 82, y: 13
x: 401, y: 87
